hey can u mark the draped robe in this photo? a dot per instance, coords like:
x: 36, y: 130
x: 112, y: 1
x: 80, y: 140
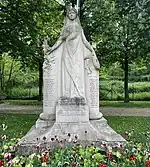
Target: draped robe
x: 68, y: 68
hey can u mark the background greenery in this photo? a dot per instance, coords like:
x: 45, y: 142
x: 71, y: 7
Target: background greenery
x: 22, y: 83
x: 118, y: 31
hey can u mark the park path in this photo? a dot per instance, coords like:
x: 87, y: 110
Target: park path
x: 107, y: 111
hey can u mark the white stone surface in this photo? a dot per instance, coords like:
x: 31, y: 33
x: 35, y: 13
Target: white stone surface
x: 72, y: 113
x: 70, y: 93
x: 71, y: 69
x: 43, y: 123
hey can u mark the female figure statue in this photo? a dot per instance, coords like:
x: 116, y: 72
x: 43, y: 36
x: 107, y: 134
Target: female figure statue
x: 68, y: 64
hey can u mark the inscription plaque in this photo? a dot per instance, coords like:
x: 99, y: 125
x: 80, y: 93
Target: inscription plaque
x: 66, y: 114
x: 49, y: 94
x: 94, y: 91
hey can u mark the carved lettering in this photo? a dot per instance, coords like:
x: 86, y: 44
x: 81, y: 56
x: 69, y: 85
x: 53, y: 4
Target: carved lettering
x: 72, y: 114
x: 49, y: 91
x: 94, y: 91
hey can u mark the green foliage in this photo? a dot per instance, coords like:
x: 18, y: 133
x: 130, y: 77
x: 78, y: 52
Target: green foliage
x: 24, y: 25
x: 120, y: 32
x: 137, y: 72
x: 132, y: 154
x: 111, y: 82
x: 113, y: 90
x: 17, y: 82
x: 141, y: 96
x: 22, y: 93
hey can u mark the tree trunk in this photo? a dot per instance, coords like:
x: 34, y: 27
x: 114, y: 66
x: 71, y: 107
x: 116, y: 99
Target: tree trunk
x: 8, y: 85
x: 0, y: 73
x: 40, y: 81
x: 126, y: 90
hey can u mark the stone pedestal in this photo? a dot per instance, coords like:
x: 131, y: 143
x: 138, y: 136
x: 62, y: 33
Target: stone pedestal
x: 72, y: 117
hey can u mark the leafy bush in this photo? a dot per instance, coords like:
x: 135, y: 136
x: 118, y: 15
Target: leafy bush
x: 114, y: 90
x: 143, y: 96
x: 21, y: 92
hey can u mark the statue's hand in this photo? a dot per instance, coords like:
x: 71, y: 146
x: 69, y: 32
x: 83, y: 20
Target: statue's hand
x: 96, y: 63
x: 57, y: 44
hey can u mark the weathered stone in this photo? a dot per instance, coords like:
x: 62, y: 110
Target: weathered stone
x: 70, y: 95
x: 73, y: 110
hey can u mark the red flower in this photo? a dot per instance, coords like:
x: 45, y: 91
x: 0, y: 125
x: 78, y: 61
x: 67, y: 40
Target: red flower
x: 45, y: 157
x: 132, y: 158
x: 102, y: 165
x: 74, y: 164
x: 1, y: 163
x: 147, y: 163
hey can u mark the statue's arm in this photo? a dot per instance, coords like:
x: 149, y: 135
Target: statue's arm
x: 93, y: 54
x: 86, y: 43
x: 63, y: 36
x: 56, y: 45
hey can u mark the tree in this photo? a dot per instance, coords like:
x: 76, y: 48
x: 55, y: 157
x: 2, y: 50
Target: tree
x: 24, y: 25
x: 120, y: 31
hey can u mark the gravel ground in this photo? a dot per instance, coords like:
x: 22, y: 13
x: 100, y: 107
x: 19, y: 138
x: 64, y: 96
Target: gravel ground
x: 107, y: 111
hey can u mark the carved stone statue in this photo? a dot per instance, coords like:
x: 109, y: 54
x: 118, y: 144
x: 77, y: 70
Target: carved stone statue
x: 70, y: 93
x: 68, y: 65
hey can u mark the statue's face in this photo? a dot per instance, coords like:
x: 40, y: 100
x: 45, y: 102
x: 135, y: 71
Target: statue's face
x: 72, y: 15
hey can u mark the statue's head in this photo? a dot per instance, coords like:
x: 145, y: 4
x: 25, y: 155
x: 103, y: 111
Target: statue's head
x: 72, y: 13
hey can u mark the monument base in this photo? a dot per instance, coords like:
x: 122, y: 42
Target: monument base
x: 93, y: 132
x: 72, y: 125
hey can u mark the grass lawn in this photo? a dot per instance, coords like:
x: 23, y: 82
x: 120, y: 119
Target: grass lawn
x: 19, y: 124
x: 132, y: 104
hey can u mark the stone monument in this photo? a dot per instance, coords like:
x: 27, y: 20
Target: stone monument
x: 70, y: 92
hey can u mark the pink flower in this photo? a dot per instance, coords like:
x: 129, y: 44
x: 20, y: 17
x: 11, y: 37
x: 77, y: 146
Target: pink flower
x: 7, y: 156
x: 109, y: 148
x: 10, y: 163
x: 11, y: 148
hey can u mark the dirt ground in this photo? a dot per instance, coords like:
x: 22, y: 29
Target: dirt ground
x: 107, y: 111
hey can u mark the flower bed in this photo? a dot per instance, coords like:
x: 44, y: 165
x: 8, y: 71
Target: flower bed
x: 75, y: 155
x: 133, y: 154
